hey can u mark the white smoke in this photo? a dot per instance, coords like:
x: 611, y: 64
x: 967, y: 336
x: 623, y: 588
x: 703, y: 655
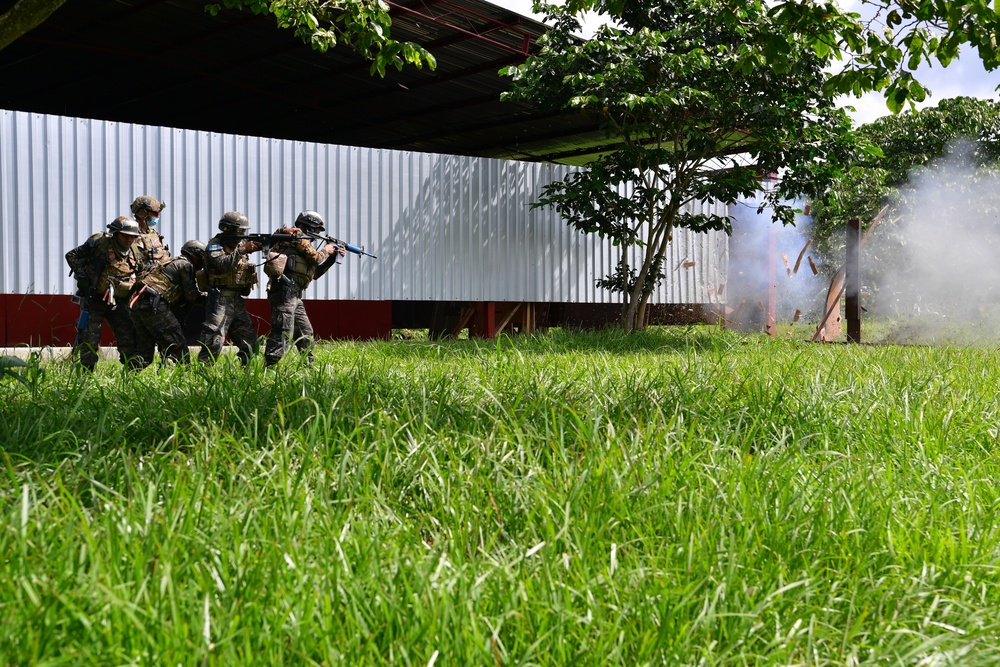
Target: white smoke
x: 799, y: 280
x: 933, y: 263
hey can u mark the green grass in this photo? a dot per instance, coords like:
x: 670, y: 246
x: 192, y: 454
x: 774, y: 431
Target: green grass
x: 675, y: 497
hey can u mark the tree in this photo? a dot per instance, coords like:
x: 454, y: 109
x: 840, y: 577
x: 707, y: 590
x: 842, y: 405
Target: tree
x: 953, y: 150
x: 877, y: 53
x: 23, y: 16
x: 898, y: 148
x: 363, y: 25
x: 697, y: 109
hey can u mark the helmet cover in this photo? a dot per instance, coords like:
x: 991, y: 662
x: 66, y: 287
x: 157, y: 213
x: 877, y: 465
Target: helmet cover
x: 193, y: 249
x: 147, y: 204
x: 233, y: 221
x: 124, y: 225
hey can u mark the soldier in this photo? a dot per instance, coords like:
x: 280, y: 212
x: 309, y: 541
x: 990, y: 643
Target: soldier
x: 158, y: 297
x: 146, y: 211
x: 230, y: 277
x: 106, y: 266
x: 291, y: 266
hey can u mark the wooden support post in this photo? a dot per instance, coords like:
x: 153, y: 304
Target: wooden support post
x: 502, y: 324
x: 465, y: 320
x: 852, y: 282
x: 484, y: 323
x: 771, y: 323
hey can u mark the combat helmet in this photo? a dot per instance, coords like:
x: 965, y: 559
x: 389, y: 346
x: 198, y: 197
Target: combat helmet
x: 310, y: 221
x: 193, y: 249
x: 234, y: 222
x: 147, y: 204
x: 124, y: 225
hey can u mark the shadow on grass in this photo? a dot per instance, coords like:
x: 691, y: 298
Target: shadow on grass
x: 611, y: 340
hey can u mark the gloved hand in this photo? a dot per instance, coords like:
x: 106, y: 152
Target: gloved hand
x: 247, y: 247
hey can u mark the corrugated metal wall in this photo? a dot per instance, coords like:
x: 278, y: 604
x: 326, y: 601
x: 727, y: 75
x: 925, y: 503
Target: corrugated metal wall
x: 444, y: 227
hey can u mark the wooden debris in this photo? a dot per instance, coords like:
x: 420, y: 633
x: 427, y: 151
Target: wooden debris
x: 801, y: 253
x: 812, y: 265
x: 788, y: 267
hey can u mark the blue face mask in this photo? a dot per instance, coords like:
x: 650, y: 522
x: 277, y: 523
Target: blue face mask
x: 152, y: 222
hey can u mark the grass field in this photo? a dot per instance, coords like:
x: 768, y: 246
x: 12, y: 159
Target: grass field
x: 683, y: 496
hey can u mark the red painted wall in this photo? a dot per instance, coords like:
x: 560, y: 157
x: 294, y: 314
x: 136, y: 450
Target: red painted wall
x: 32, y: 319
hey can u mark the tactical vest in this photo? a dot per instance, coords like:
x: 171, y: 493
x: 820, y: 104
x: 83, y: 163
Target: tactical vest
x: 159, y: 279
x: 153, y: 248
x: 239, y: 274
x: 300, y: 268
x: 119, y: 273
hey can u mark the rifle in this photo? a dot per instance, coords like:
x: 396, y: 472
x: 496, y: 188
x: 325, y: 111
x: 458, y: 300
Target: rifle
x: 357, y: 250
x: 268, y: 240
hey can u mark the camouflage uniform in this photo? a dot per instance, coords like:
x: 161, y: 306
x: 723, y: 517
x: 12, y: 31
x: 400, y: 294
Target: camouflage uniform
x: 158, y: 296
x: 230, y: 276
x: 153, y: 249
x: 289, y: 321
x: 105, y: 273
x: 146, y: 211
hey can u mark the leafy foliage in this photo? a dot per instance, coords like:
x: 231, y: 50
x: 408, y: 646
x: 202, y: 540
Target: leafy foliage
x: 8, y: 363
x: 24, y: 15
x: 361, y: 24
x: 878, y: 52
x: 698, y: 104
x: 900, y: 148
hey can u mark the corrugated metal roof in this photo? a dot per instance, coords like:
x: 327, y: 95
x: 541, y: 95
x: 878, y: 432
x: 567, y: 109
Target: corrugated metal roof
x: 169, y: 63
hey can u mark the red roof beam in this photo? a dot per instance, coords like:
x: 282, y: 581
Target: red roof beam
x: 526, y: 36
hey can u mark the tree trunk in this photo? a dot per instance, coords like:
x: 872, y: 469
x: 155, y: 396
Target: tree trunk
x: 631, y: 311
x: 25, y: 15
x: 629, y: 315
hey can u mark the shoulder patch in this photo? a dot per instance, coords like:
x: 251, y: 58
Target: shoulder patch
x: 214, y: 247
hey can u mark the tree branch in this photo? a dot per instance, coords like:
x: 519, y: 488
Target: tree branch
x: 25, y: 15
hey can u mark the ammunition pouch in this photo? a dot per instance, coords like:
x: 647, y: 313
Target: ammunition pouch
x: 123, y: 290
x: 275, y: 264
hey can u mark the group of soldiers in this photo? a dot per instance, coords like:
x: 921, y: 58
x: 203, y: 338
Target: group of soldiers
x: 127, y: 278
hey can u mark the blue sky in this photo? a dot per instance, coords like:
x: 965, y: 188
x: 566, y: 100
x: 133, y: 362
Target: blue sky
x: 965, y: 76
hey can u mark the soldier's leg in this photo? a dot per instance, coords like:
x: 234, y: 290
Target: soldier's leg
x: 89, y: 339
x: 169, y: 333
x: 303, y: 331
x: 282, y: 327
x: 213, y: 330
x: 145, y: 340
x: 120, y: 320
x: 173, y: 342
x: 241, y: 331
